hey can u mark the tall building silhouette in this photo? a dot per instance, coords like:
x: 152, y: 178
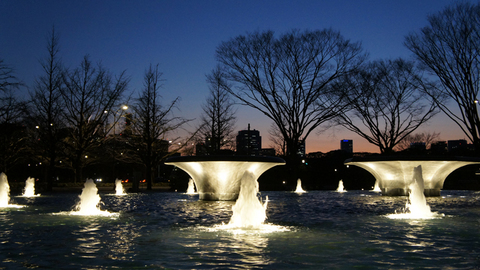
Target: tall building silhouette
x: 346, y: 145
x: 249, y: 142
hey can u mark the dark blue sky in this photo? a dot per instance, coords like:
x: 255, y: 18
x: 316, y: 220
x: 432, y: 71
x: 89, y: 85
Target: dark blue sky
x: 181, y: 36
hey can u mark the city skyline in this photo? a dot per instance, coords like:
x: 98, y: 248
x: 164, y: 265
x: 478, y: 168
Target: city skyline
x: 181, y: 36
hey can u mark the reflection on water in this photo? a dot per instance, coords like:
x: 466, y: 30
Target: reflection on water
x: 227, y: 249
x: 318, y: 230
x: 88, y: 241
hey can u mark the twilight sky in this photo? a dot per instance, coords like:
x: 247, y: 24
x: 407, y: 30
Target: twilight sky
x: 182, y: 35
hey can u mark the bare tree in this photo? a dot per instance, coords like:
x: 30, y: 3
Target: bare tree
x: 287, y: 78
x: 153, y: 123
x: 13, y: 135
x: 7, y: 77
x: 46, y: 108
x: 12, y: 113
x: 387, y: 103
x: 90, y: 95
x: 277, y: 140
x: 11, y: 108
x: 427, y: 138
x: 218, y: 118
x: 448, y: 48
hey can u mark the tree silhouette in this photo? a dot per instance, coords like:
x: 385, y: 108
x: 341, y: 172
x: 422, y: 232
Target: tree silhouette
x: 218, y: 118
x: 7, y: 77
x: 46, y: 108
x: 89, y: 95
x: 13, y: 135
x: 153, y: 123
x: 386, y: 101
x: 448, y: 49
x: 287, y: 78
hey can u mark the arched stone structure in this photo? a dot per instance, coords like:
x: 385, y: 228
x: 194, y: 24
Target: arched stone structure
x: 395, y: 173
x: 217, y: 178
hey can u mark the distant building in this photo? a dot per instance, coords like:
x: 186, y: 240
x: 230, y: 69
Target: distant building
x: 346, y: 145
x: 249, y: 142
x: 301, y: 148
x: 456, y: 145
x: 418, y: 146
x: 438, y: 147
x: 268, y: 152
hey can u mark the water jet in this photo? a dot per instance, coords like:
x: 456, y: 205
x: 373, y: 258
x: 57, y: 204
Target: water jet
x: 191, y: 187
x: 416, y: 206
x: 299, y: 188
x: 29, y: 190
x: 119, y: 191
x: 89, y: 201
x: 4, y: 190
x: 248, y: 211
x: 340, y: 187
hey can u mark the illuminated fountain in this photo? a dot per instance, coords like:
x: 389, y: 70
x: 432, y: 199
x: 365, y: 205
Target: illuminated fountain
x: 376, y: 188
x: 218, y: 177
x: 89, y: 201
x: 340, y: 187
x: 5, y: 193
x: 119, y: 191
x: 416, y: 206
x: 299, y: 188
x: 248, y: 211
x: 29, y: 190
x: 393, y: 173
x: 191, y: 187
x: 4, y: 190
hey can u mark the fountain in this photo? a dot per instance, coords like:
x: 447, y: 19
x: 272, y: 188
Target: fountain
x: 29, y: 190
x: 4, y: 190
x: 391, y: 172
x: 416, y: 206
x: 376, y: 188
x: 191, y: 187
x: 119, y: 191
x: 89, y: 201
x: 218, y: 177
x: 299, y: 188
x: 340, y: 187
x: 248, y: 211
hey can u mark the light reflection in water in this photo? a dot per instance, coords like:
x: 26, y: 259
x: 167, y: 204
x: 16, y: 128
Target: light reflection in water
x: 88, y: 241
x: 216, y: 247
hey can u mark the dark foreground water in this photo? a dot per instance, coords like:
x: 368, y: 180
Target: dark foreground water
x: 315, y: 230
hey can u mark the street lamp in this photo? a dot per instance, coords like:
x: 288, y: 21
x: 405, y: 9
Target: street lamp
x: 123, y: 108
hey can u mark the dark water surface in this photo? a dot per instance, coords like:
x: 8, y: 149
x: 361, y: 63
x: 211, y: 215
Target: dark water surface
x: 315, y: 230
